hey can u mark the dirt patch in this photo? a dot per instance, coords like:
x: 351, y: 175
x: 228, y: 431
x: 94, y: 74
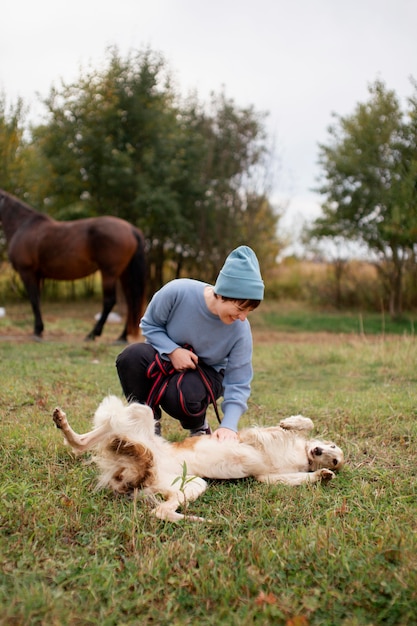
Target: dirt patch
x: 260, y: 337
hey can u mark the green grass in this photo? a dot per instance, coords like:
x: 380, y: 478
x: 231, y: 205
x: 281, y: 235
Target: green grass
x: 343, y: 553
x: 291, y: 317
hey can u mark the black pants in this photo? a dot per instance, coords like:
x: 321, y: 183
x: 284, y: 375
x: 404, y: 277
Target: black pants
x: 132, y: 365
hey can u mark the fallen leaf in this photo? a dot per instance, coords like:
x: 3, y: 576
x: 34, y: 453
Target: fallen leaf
x: 265, y: 598
x: 297, y: 620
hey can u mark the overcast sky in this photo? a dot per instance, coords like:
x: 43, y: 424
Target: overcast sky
x: 298, y: 60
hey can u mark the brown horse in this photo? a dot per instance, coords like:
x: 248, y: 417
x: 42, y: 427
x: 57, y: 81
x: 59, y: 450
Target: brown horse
x: 40, y: 247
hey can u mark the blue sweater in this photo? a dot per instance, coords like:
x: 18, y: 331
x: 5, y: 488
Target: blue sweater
x: 178, y: 315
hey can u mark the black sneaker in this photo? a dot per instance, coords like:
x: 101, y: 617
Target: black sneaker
x: 157, y: 426
x: 197, y: 432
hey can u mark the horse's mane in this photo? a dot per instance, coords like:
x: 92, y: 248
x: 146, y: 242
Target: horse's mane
x: 11, y: 205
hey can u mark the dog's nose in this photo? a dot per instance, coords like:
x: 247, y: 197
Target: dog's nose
x: 318, y: 451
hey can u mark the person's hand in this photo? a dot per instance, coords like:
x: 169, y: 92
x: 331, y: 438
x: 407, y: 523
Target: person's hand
x: 225, y: 434
x: 183, y: 359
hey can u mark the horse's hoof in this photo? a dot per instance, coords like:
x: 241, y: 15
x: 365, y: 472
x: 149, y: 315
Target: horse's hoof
x: 37, y: 338
x: 119, y: 342
x: 89, y: 338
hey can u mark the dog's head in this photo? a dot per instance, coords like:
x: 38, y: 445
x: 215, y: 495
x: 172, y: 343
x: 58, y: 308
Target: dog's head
x: 324, y: 454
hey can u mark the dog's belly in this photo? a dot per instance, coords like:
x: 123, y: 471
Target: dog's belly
x: 209, y: 458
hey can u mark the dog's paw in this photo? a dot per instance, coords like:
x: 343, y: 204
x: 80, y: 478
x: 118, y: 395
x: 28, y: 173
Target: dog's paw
x: 296, y: 422
x: 170, y: 515
x: 326, y: 474
x: 59, y: 417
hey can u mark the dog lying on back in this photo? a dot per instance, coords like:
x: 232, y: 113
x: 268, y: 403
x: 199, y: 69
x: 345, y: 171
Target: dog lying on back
x: 130, y: 456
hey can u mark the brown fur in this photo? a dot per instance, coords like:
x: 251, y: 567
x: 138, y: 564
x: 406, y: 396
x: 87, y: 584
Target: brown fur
x: 40, y: 247
x: 138, y: 458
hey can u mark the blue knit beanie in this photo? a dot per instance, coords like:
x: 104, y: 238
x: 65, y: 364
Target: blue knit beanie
x: 240, y: 276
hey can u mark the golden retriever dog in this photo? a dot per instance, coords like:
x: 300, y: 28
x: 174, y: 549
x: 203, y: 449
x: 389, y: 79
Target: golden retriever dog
x: 130, y: 456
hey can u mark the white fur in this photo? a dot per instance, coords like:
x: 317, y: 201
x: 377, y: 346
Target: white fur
x: 130, y: 456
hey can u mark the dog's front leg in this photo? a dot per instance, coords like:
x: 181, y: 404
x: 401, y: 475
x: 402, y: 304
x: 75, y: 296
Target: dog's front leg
x: 168, y: 511
x: 78, y: 443
x: 188, y: 492
x: 296, y: 478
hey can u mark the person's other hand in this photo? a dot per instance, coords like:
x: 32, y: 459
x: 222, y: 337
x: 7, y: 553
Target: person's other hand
x: 224, y: 434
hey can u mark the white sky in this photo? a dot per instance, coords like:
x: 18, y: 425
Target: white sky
x: 299, y: 60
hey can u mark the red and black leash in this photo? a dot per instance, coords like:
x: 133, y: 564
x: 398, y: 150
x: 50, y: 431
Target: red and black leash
x: 161, y: 371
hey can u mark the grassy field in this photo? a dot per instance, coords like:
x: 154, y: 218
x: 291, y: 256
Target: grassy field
x: 338, y: 554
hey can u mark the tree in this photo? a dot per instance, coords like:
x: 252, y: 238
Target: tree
x: 102, y: 135
x: 228, y: 203
x: 11, y: 144
x: 114, y: 144
x: 120, y: 141
x: 12, y: 148
x: 370, y: 174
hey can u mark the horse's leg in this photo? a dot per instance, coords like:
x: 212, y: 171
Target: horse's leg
x: 32, y: 285
x: 123, y: 335
x: 109, y: 300
x: 133, y: 304
x: 133, y: 280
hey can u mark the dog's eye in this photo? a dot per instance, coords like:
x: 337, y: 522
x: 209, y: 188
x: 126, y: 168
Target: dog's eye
x: 333, y: 446
x: 334, y: 461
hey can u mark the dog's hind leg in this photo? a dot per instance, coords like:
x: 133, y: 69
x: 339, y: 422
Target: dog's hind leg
x: 79, y: 443
x: 296, y: 478
x: 297, y: 423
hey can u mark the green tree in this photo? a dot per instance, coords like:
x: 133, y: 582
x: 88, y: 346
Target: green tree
x: 121, y: 141
x: 370, y: 174
x: 11, y: 144
x: 12, y: 151
x: 103, y: 133
x: 231, y: 204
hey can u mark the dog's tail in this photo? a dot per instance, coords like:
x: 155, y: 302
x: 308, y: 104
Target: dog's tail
x: 131, y: 420
x: 109, y: 408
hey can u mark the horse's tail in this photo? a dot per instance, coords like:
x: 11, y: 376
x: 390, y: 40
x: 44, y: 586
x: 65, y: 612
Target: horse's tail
x: 133, y: 282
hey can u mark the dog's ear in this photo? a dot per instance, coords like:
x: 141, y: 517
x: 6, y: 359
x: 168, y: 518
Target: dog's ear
x: 135, y: 451
x: 134, y: 466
